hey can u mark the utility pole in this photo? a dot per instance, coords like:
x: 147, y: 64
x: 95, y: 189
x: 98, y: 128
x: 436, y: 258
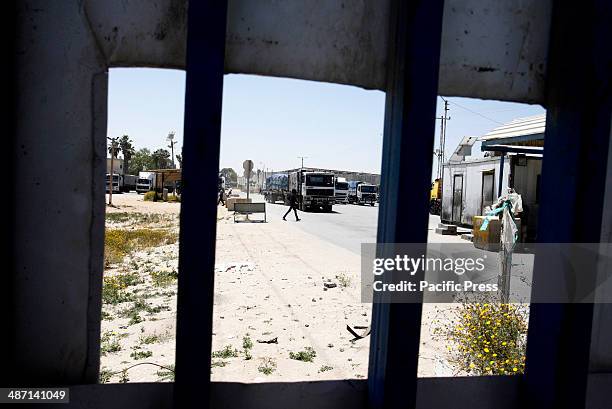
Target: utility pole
x: 171, y: 146
x: 302, y: 157
x: 441, y: 153
x: 112, y: 169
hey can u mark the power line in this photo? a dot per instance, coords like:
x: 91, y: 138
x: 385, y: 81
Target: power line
x: 475, y: 113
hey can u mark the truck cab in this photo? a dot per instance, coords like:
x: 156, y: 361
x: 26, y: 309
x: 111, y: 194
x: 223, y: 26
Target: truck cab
x: 367, y: 194
x: 315, y: 189
x: 145, y: 182
x: 117, y: 183
x: 341, y: 189
x: 362, y: 193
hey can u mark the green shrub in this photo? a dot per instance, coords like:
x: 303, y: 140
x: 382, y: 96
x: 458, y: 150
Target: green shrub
x: 487, y: 338
x: 150, y: 196
x: 109, y: 343
x: 113, y: 291
x: 307, y: 355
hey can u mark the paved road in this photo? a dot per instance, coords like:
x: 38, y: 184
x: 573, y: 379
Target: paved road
x: 347, y: 226
x: 350, y: 225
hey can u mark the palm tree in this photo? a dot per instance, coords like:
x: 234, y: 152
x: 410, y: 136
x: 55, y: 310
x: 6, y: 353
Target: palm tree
x: 125, y: 144
x: 116, y: 151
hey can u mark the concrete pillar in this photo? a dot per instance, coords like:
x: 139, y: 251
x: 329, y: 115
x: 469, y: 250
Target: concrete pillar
x: 59, y: 191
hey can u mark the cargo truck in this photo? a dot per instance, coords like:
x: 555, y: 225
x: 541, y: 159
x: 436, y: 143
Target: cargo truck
x: 277, y: 186
x: 129, y: 182
x: 362, y: 193
x: 315, y: 190
x: 341, y: 189
x: 435, y: 197
x: 145, y: 182
x: 117, y: 183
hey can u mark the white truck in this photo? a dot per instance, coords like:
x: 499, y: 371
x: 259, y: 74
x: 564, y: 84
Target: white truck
x: 341, y: 189
x: 117, y: 183
x: 362, y: 193
x: 145, y: 182
x: 315, y: 190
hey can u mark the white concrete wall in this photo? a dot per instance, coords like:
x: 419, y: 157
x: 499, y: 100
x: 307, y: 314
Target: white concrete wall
x: 490, y: 48
x: 59, y: 191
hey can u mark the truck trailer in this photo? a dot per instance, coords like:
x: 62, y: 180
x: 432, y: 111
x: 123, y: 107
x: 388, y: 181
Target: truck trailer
x: 277, y: 186
x: 315, y: 190
x: 129, y: 182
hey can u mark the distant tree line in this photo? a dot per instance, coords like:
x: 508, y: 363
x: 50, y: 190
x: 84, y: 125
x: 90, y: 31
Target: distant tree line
x: 140, y: 160
x: 143, y: 159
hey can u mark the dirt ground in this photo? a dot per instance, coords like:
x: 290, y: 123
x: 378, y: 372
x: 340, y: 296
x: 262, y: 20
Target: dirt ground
x: 283, y: 299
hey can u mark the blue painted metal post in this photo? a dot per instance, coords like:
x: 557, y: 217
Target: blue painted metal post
x: 412, y: 85
x: 573, y: 184
x: 501, y: 175
x: 203, y: 104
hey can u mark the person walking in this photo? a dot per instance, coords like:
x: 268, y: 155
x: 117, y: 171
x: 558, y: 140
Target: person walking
x: 292, y: 205
x: 221, y: 196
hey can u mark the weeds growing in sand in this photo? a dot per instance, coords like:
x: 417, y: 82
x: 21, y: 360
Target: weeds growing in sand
x: 124, y: 378
x: 149, y: 339
x: 268, y: 365
x: 307, y: 355
x: 227, y: 352
x: 137, y: 354
x: 344, y: 280
x: 109, y: 343
x: 164, y: 278
x: 220, y: 364
x: 326, y: 368
x: 113, y: 291
x: 118, y: 243
x: 105, y: 375
x: 247, y: 345
x: 166, y: 375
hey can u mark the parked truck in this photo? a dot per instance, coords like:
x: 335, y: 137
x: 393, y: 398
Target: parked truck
x: 145, y: 182
x: 117, y: 183
x: 341, y: 189
x: 362, y: 193
x: 129, y: 182
x: 315, y: 190
x: 435, y: 197
x: 277, y: 186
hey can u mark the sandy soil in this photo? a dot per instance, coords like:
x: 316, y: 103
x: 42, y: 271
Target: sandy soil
x: 271, y: 288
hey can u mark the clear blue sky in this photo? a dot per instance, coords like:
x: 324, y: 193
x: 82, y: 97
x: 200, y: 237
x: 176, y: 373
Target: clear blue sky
x: 273, y: 120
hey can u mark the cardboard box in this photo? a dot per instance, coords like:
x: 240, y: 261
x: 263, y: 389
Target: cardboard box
x: 489, y: 238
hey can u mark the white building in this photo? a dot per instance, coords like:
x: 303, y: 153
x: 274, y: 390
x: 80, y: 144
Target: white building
x: 117, y: 166
x: 469, y: 185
